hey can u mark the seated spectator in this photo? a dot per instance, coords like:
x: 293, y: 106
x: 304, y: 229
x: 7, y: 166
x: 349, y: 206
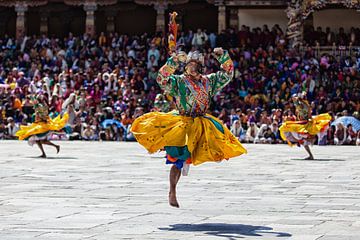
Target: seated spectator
x: 251, y: 133
x: 237, y: 130
x: 322, y: 138
x: 118, y: 134
x: 264, y: 118
x: 88, y: 133
x: 275, y: 129
x: 351, y: 135
x: 330, y: 135
x: 129, y: 135
x: 11, y: 129
x: 2, y: 130
x: 340, y: 134
x: 260, y: 137
x: 233, y: 116
x: 269, y: 137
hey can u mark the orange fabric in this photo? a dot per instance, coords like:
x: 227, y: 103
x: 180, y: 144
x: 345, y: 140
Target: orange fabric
x: 17, y: 103
x: 172, y: 159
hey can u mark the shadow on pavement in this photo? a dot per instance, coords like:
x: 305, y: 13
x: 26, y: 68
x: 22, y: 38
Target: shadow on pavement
x: 53, y: 157
x: 230, y: 231
x: 319, y: 159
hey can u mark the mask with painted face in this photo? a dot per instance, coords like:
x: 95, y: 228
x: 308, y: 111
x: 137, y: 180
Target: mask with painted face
x: 193, y: 69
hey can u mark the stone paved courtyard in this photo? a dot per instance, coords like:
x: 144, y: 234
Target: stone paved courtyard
x: 109, y: 191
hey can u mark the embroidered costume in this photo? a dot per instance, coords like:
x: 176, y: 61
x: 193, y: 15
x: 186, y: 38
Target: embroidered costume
x: 161, y: 104
x: 189, y: 134
x: 43, y: 126
x: 306, y: 127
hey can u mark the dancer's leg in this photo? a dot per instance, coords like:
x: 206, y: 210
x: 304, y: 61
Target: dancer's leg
x: 307, y: 148
x: 39, y: 143
x: 47, y: 142
x: 174, y: 177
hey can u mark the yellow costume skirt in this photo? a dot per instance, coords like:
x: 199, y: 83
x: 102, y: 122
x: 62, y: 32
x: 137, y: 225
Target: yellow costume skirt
x: 186, y: 139
x: 301, y: 131
x: 40, y: 130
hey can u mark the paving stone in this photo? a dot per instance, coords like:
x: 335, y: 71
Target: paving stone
x: 114, y: 190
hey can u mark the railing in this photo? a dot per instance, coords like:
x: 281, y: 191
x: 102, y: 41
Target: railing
x: 341, y: 51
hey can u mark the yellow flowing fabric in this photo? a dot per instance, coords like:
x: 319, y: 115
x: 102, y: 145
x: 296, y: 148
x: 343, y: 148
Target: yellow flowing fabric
x: 35, y: 128
x: 204, y: 140
x: 316, y: 125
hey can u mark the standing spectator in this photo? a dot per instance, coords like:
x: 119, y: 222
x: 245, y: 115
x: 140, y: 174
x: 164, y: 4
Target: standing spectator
x: 199, y: 39
x: 155, y: 53
x: 212, y: 39
x: 102, y: 39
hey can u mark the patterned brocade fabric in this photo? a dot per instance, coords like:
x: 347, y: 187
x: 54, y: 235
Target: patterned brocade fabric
x: 192, y: 97
x: 41, y: 113
x: 303, y: 110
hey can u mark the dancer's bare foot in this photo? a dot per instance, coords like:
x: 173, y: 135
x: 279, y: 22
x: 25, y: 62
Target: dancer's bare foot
x: 310, y: 157
x: 57, y: 148
x: 42, y: 156
x: 172, y: 200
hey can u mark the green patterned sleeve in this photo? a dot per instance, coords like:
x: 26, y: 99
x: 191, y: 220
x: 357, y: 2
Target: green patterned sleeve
x: 221, y: 78
x: 166, y: 78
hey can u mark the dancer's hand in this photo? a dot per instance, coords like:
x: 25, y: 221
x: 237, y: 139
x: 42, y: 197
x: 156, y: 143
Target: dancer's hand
x: 182, y: 56
x: 179, y: 57
x: 218, y: 51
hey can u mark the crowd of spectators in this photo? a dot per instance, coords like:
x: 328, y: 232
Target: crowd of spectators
x: 105, y: 82
x: 329, y: 38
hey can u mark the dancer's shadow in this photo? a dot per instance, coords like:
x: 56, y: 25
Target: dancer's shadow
x: 230, y: 231
x: 319, y: 160
x: 53, y: 157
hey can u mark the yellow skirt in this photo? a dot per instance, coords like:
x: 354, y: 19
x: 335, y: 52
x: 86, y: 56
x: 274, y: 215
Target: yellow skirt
x: 40, y: 128
x: 305, y: 129
x: 205, y: 138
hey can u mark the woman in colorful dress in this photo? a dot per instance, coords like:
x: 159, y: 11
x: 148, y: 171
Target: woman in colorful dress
x: 189, y: 135
x: 43, y: 126
x: 304, y: 130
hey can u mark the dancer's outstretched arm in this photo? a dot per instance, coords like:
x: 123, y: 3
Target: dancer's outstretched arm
x: 221, y: 78
x: 166, y: 78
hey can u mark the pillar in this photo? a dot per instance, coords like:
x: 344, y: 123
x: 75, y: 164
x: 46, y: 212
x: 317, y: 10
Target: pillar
x: 221, y: 17
x: 20, y: 10
x: 160, y: 8
x: 44, y: 29
x: 234, y: 19
x: 90, y: 9
x: 110, y: 21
